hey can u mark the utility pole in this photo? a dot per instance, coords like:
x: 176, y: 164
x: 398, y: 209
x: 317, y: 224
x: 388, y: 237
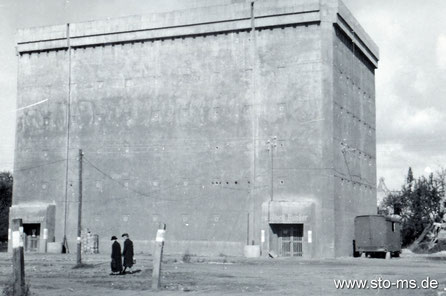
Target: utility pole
x: 254, y: 101
x: 271, y: 144
x: 79, y: 212
x: 247, y: 231
x: 68, y: 118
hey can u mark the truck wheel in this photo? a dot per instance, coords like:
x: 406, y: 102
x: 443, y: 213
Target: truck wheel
x: 388, y: 255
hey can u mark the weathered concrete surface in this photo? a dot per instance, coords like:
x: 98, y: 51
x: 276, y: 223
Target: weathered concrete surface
x: 174, y: 111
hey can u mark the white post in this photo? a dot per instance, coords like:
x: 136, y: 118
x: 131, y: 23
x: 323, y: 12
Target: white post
x: 45, y: 239
x: 158, y: 256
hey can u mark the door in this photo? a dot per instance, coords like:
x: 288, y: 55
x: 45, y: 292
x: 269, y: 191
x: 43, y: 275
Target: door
x: 31, y: 233
x: 290, y: 240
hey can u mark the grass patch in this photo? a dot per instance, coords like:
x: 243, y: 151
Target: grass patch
x: 225, y: 260
x: 8, y: 290
x: 186, y: 257
x: 83, y: 266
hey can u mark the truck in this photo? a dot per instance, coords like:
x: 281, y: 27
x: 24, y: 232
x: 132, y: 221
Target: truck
x: 377, y: 236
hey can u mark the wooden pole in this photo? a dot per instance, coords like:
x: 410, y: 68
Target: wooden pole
x: 247, y: 230
x: 158, y: 256
x: 18, y: 260
x: 272, y: 172
x: 79, y: 213
x: 272, y: 145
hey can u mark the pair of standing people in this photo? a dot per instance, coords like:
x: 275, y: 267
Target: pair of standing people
x: 116, y: 255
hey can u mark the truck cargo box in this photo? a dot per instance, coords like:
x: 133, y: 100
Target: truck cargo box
x: 377, y: 235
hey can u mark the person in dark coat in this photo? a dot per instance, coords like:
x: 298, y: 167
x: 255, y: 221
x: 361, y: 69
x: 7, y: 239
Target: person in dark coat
x: 127, y: 253
x: 116, y: 260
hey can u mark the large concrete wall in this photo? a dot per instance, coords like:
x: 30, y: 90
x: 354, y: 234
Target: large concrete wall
x: 40, y: 151
x: 295, y: 110
x: 354, y: 138
x: 168, y: 119
x: 173, y: 113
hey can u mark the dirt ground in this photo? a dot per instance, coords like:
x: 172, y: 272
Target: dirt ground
x: 54, y: 275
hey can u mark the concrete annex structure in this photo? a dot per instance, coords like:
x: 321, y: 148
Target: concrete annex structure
x: 235, y: 123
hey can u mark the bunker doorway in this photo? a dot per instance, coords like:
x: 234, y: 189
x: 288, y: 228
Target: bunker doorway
x: 288, y: 239
x: 31, y: 234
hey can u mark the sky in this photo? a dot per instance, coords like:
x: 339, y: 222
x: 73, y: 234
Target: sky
x: 410, y: 80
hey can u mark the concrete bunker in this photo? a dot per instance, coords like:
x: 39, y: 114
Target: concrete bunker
x: 217, y: 83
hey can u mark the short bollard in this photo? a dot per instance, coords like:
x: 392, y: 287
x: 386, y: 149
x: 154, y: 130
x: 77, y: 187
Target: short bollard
x: 45, y: 240
x: 158, y: 256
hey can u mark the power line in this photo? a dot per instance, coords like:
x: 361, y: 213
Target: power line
x: 38, y: 166
x: 144, y: 194
x: 151, y: 195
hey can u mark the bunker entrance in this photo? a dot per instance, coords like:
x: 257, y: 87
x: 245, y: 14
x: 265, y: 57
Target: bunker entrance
x: 31, y: 233
x: 38, y: 225
x: 288, y: 239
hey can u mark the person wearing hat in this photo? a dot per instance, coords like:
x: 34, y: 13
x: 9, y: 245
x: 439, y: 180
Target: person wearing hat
x: 116, y: 261
x: 127, y: 253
